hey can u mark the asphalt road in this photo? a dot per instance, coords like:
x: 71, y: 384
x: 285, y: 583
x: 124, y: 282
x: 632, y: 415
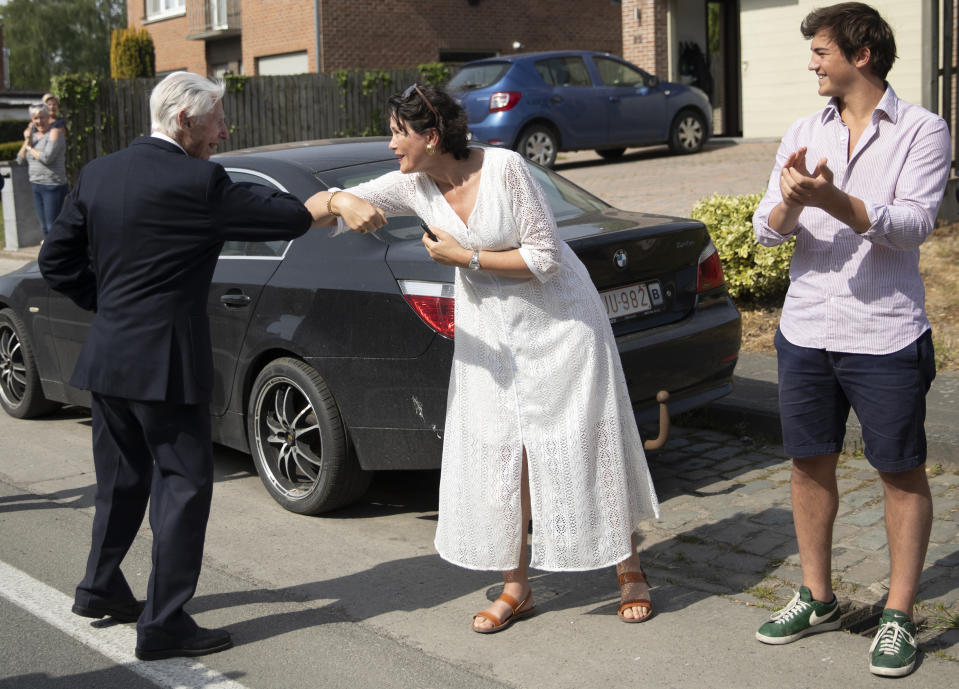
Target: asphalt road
x: 360, y: 599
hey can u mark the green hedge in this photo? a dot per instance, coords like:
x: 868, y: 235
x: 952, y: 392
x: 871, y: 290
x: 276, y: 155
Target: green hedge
x: 9, y: 150
x: 753, y: 272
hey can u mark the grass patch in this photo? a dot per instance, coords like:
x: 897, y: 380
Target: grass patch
x: 764, y: 593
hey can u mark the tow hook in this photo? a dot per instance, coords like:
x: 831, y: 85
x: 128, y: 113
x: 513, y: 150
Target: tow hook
x: 659, y: 441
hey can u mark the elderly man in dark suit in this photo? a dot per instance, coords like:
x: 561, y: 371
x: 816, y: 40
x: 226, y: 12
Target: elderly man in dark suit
x: 137, y: 242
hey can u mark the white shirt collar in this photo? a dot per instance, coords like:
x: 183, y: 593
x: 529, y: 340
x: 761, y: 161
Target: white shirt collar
x: 164, y: 137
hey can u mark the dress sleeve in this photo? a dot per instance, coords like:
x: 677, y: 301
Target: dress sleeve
x: 540, y: 245
x: 394, y: 193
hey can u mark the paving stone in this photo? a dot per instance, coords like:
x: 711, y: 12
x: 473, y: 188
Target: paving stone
x: 764, y: 542
x: 869, y: 572
x: 873, y: 538
x: 774, y: 516
x: 842, y: 532
x: 700, y: 448
x: 696, y: 462
x: 732, y: 515
x: 742, y: 562
x: 722, y: 452
x: 945, y: 505
x: 701, y: 476
x: 756, y: 487
x: 943, y: 554
x: 843, y: 558
x: 866, y: 517
x: 788, y: 572
x: 673, y: 519
x: 860, y: 497
x: 944, y: 532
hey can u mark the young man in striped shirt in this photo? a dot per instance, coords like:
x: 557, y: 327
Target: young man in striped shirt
x: 858, y: 185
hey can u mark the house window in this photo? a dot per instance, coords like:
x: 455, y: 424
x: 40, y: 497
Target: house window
x: 159, y: 9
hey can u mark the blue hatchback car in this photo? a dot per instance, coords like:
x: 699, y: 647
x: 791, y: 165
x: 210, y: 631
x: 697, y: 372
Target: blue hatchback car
x: 542, y: 103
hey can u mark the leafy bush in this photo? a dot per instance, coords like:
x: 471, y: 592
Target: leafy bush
x: 753, y: 272
x: 8, y: 151
x: 132, y: 54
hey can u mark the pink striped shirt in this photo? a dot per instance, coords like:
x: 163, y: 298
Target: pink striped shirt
x: 854, y: 292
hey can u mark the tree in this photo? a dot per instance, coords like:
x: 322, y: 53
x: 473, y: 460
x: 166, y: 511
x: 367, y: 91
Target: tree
x: 48, y: 37
x: 132, y: 54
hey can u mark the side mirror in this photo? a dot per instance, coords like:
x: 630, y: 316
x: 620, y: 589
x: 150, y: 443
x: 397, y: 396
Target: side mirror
x: 652, y: 82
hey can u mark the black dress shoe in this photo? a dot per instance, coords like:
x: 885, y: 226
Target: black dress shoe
x: 121, y: 612
x: 203, y: 642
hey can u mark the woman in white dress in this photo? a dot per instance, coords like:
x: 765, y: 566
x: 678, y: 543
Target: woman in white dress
x: 539, y: 422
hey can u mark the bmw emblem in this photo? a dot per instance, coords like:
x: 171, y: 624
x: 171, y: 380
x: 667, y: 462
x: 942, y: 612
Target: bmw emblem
x: 620, y: 258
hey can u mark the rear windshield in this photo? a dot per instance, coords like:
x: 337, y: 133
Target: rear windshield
x: 478, y: 76
x: 565, y: 198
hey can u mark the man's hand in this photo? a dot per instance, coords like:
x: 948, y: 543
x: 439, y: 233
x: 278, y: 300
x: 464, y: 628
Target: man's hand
x: 801, y: 188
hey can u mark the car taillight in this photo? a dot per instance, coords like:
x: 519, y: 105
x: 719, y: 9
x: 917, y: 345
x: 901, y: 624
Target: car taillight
x: 710, y: 270
x: 504, y: 100
x: 433, y: 302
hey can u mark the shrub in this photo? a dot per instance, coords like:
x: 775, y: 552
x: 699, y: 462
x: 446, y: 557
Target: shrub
x: 132, y: 54
x: 753, y: 272
x: 8, y: 151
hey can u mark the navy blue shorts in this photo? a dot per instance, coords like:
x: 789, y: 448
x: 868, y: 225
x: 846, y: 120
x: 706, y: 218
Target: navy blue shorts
x: 887, y: 392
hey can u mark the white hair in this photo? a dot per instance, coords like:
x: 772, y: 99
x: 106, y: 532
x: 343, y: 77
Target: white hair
x: 182, y: 91
x: 38, y: 108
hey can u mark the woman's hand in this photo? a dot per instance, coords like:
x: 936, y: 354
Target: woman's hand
x: 447, y: 251
x: 358, y: 214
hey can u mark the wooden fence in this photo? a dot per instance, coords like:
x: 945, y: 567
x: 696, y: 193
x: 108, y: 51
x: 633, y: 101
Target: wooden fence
x: 259, y: 111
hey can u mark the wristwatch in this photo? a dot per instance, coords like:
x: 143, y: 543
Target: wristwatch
x: 474, y: 261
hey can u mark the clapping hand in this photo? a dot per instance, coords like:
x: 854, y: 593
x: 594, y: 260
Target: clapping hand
x: 801, y: 188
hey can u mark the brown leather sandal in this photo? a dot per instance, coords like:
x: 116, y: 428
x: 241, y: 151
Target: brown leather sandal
x: 499, y: 625
x: 634, y: 578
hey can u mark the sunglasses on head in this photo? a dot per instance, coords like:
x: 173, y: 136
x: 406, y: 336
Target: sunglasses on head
x: 416, y: 88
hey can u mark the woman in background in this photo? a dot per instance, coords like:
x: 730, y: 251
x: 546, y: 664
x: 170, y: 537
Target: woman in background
x: 44, y: 150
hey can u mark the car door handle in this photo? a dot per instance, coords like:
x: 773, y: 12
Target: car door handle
x: 557, y: 99
x: 234, y: 299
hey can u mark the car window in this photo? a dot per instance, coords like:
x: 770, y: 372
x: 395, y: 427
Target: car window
x: 479, y: 76
x: 566, y: 199
x: 563, y: 71
x: 616, y: 73
x: 241, y: 249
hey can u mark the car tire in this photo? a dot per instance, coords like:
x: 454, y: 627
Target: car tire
x: 610, y: 153
x: 539, y: 144
x: 687, y: 133
x: 299, y: 442
x: 21, y: 394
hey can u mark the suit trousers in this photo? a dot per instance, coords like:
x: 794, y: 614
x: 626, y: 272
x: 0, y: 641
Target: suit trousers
x: 159, y: 452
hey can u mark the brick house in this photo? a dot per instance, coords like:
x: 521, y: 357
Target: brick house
x: 296, y: 36
x: 748, y: 55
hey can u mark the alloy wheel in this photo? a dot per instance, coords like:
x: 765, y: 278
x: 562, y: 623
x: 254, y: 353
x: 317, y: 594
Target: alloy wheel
x: 288, y: 438
x: 13, y: 369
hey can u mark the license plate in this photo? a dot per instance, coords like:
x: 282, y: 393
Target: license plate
x: 638, y: 298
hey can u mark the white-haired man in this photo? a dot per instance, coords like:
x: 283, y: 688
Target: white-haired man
x: 137, y: 243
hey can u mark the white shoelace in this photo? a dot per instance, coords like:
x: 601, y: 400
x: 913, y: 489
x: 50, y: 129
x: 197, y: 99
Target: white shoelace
x: 793, y: 608
x: 890, y: 637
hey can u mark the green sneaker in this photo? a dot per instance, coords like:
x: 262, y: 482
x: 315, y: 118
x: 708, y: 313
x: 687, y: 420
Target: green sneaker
x: 894, y: 648
x: 801, y: 616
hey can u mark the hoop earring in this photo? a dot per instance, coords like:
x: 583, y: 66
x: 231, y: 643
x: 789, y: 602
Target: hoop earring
x: 430, y: 149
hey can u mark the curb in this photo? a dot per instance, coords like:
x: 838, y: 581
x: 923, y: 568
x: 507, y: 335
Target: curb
x: 752, y: 409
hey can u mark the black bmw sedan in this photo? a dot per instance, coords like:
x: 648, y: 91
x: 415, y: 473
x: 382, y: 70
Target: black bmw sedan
x: 332, y: 355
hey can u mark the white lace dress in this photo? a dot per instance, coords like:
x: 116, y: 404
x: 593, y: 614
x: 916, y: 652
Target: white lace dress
x: 535, y: 366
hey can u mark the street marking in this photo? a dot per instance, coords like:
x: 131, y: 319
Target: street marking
x: 116, y: 642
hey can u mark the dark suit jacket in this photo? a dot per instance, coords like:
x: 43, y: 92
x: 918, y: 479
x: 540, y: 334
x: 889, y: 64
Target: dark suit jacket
x: 137, y: 242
